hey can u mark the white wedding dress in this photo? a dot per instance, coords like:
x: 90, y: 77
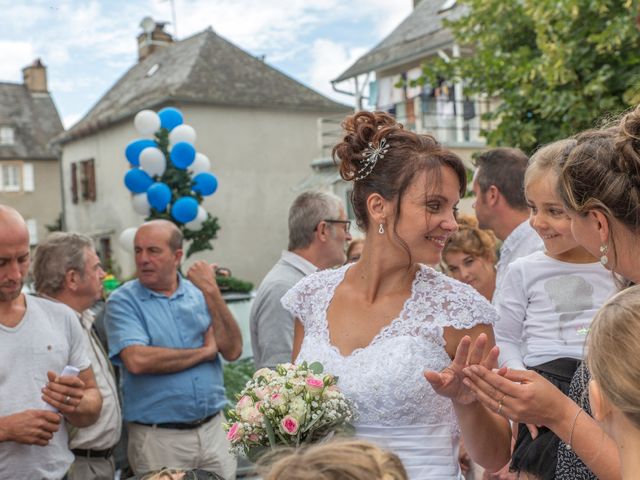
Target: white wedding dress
x: 396, y: 407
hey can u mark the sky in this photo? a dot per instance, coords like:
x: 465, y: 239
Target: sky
x: 87, y: 44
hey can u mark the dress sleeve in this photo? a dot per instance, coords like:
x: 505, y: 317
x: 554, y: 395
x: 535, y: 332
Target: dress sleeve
x: 512, y: 310
x: 296, y: 300
x: 464, y: 308
x: 124, y: 325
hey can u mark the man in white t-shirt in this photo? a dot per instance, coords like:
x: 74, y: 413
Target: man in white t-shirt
x: 500, y: 205
x: 38, y: 338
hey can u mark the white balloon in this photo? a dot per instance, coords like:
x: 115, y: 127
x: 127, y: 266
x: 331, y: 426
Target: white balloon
x: 152, y: 161
x: 147, y: 122
x: 126, y: 239
x: 141, y: 204
x: 196, y: 223
x: 200, y: 164
x: 182, y: 133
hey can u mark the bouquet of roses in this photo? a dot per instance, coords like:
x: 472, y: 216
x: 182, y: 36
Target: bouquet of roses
x: 289, y: 405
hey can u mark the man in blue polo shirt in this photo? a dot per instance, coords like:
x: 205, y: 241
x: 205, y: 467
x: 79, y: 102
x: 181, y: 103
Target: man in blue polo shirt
x: 167, y: 332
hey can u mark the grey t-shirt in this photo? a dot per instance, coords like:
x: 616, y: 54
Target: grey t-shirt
x: 49, y: 337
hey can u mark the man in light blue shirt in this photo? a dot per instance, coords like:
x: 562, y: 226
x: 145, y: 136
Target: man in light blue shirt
x: 166, y: 331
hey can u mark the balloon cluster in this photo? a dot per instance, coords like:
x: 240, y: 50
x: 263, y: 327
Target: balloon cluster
x: 149, y: 164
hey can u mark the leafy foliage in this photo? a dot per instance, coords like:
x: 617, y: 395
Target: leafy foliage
x: 180, y: 183
x: 233, y: 284
x: 558, y: 66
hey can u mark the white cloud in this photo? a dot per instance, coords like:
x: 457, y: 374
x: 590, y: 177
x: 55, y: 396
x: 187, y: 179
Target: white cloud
x: 15, y: 56
x: 330, y: 59
x: 70, y: 119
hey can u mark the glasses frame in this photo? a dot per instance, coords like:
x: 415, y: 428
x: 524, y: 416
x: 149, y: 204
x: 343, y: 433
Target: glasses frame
x: 346, y: 223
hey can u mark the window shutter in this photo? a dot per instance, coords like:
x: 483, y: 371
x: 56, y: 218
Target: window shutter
x: 74, y: 182
x: 28, y: 181
x: 91, y: 180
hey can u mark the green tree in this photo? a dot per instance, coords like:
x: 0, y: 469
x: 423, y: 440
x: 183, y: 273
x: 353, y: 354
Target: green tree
x: 180, y: 183
x: 558, y: 66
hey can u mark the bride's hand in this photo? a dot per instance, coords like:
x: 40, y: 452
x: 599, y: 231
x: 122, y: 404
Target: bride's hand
x: 448, y: 382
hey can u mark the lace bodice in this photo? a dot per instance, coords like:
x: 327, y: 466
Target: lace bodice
x: 385, y: 379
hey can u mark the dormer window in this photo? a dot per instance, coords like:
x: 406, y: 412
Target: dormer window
x: 6, y: 136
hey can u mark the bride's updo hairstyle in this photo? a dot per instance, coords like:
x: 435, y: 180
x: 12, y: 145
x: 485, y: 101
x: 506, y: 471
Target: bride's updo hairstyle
x: 406, y: 154
x: 613, y: 350
x: 602, y: 172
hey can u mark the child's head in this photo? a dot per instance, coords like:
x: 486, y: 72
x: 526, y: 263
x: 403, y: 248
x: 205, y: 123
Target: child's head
x: 613, y: 350
x: 547, y: 214
x: 337, y: 460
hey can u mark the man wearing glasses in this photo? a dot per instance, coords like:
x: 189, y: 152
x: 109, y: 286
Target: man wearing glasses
x: 318, y: 236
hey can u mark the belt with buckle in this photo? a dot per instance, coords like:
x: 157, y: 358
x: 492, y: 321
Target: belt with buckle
x: 180, y: 426
x: 81, y: 452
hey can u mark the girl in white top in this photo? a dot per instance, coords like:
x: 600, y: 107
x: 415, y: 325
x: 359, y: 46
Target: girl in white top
x: 547, y: 301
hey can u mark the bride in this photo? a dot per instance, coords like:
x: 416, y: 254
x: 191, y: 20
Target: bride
x: 378, y: 324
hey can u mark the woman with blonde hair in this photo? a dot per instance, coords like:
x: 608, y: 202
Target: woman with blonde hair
x: 614, y: 391
x: 470, y: 256
x: 336, y: 460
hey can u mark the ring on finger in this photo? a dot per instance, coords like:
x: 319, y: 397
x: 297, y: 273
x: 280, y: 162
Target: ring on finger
x: 66, y: 400
x: 500, y: 405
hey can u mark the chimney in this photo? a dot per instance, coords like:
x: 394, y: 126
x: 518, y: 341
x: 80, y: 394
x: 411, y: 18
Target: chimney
x: 35, y: 76
x: 152, y: 38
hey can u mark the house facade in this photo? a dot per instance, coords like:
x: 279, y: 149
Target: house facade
x: 258, y: 127
x: 29, y: 164
x: 382, y: 79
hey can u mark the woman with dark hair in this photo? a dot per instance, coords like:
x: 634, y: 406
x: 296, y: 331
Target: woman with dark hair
x: 600, y: 187
x: 470, y: 256
x: 379, y: 323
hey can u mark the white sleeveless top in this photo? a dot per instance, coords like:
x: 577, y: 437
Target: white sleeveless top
x: 396, y: 407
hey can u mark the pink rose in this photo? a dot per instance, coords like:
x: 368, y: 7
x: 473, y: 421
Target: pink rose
x: 258, y: 405
x: 314, y: 384
x: 235, y: 432
x: 251, y: 415
x: 277, y: 400
x: 253, y: 438
x: 261, y: 392
x: 244, y: 402
x: 289, y: 425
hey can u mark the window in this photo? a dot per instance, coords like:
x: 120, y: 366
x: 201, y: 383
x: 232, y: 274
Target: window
x: 16, y: 177
x: 83, y: 181
x: 10, y: 177
x: 6, y: 136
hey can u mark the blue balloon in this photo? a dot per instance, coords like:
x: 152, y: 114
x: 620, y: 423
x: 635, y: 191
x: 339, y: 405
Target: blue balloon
x: 159, y: 196
x: 170, y: 118
x: 185, y: 209
x: 138, y: 181
x: 205, y: 183
x: 182, y: 155
x: 132, y: 152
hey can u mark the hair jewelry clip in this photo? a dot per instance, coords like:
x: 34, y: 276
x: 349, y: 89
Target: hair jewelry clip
x: 370, y: 157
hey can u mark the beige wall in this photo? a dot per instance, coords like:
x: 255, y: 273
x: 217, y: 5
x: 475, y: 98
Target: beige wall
x: 259, y: 156
x: 44, y: 203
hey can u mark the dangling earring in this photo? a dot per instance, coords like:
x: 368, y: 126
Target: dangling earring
x: 381, y: 229
x: 604, y: 249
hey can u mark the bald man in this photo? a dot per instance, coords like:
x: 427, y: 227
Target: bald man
x: 168, y: 333
x: 38, y: 338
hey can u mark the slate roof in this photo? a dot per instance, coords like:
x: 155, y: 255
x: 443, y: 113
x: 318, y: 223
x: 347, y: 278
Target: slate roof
x: 203, y: 69
x: 35, y: 121
x: 420, y: 35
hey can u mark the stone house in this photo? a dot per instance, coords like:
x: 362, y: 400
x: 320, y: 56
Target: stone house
x: 29, y: 165
x: 257, y: 125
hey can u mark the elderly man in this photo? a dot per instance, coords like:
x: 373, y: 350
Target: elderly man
x: 318, y: 235
x: 38, y: 338
x: 166, y: 331
x: 68, y: 270
x: 501, y: 206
